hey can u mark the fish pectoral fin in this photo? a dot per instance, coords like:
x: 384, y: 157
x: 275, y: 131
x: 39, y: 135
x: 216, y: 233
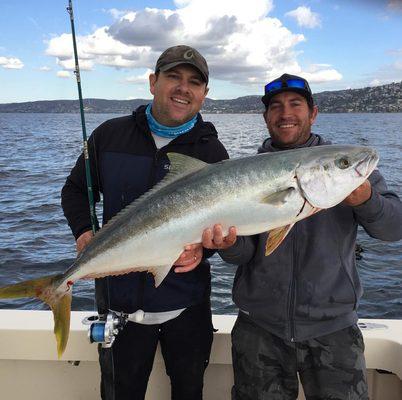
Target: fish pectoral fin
x: 278, y: 198
x: 276, y: 237
x: 160, y: 273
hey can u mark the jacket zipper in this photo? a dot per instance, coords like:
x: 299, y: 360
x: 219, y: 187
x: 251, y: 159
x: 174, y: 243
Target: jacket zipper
x: 152, y: 175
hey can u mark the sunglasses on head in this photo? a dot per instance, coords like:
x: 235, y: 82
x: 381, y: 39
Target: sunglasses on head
x: 290, y: 83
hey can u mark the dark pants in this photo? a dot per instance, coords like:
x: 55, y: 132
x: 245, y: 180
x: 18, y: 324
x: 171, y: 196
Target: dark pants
x: 186, y: 345
x: 266, y: 366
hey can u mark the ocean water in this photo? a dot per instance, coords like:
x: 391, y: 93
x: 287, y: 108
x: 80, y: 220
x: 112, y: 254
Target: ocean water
x: 37, y: 152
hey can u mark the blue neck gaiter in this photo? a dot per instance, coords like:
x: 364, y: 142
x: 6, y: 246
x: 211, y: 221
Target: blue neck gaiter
x: 170, y: 132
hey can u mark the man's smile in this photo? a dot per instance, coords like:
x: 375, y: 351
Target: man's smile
x: 286, y: 125
x: 180, y: 101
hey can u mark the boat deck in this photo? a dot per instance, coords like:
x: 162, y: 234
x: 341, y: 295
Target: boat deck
x: 29, y: 367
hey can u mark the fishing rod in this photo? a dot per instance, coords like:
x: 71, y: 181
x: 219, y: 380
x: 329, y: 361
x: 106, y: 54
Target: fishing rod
x: 101, y: 331
x: 84, y: 132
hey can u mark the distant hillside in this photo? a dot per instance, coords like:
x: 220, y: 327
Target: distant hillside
x: 95, y: 106
x: 386, y: 98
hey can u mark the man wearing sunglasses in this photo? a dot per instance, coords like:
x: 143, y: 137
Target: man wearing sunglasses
x: 298, y: 305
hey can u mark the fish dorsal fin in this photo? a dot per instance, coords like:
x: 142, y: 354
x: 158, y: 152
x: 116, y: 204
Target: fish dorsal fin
x: 180, y: 166
x: 276, y: 237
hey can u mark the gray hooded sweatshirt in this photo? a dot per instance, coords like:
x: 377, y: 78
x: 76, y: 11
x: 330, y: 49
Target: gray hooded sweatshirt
x: 309, y: 286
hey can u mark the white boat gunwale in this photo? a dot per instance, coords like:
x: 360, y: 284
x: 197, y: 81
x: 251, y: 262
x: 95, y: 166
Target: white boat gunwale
x: 28, y: 353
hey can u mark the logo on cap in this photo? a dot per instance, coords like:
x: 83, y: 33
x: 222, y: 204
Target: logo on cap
x: 188, y: 55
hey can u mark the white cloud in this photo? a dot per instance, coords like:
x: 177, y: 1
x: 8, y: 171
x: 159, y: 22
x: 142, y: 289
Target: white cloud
x: 195, y: 14
x: 316, y: 73
x: 45, y: 68
x: 241, y: 41
x: 63, y: 74
x: 322, y: 75
x: 139, y: 79
x: 11, y: 63
x: 115, y: 13
x: 150, y: 27
x: 139, y: 92
x: 375, y: 82
x: 69, y: 64
x: 305, y: 17
x: 181, y: 3
x: 385, y: 74
x: 380, y: 82
x: 398, y: 65
x: 98, y: 47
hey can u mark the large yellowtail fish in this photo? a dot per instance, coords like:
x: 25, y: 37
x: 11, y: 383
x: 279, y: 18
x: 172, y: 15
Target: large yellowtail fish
x: 266, y: 192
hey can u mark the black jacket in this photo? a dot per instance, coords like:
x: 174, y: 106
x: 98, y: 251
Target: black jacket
x: 125, y: 163
x: 309, y: 286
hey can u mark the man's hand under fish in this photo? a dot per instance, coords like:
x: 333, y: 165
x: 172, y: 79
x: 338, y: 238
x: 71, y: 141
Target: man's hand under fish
x: 211, y: 239
x: 360, y: 195
x: 214, y: 239
x: 189, y: 258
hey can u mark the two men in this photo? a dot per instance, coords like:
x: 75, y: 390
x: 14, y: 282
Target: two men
x: 301, y: 319
x: 128, y: 157
x: 297, y: 307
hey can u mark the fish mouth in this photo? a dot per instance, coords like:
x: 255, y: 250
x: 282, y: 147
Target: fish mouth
x: 366, y: 166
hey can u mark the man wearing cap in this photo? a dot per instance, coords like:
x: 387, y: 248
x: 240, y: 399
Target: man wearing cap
x: 128, y: 157
x: 297, y: 307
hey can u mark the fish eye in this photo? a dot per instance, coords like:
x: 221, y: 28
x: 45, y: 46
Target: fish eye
x: 342, y: 163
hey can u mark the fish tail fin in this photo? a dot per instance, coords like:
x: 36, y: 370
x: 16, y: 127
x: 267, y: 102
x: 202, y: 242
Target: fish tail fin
x: 61, y: 314
x: 45, y: 289
x: 30, y: 288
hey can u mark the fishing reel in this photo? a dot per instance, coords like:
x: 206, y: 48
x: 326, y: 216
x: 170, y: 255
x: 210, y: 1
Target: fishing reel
x: 104, y: 328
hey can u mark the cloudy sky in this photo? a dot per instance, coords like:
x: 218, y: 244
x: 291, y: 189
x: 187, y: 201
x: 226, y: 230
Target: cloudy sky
x: 335, y: 44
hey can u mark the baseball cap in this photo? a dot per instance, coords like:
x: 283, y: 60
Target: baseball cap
x: 287, y: 83
x: 182, y: 54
